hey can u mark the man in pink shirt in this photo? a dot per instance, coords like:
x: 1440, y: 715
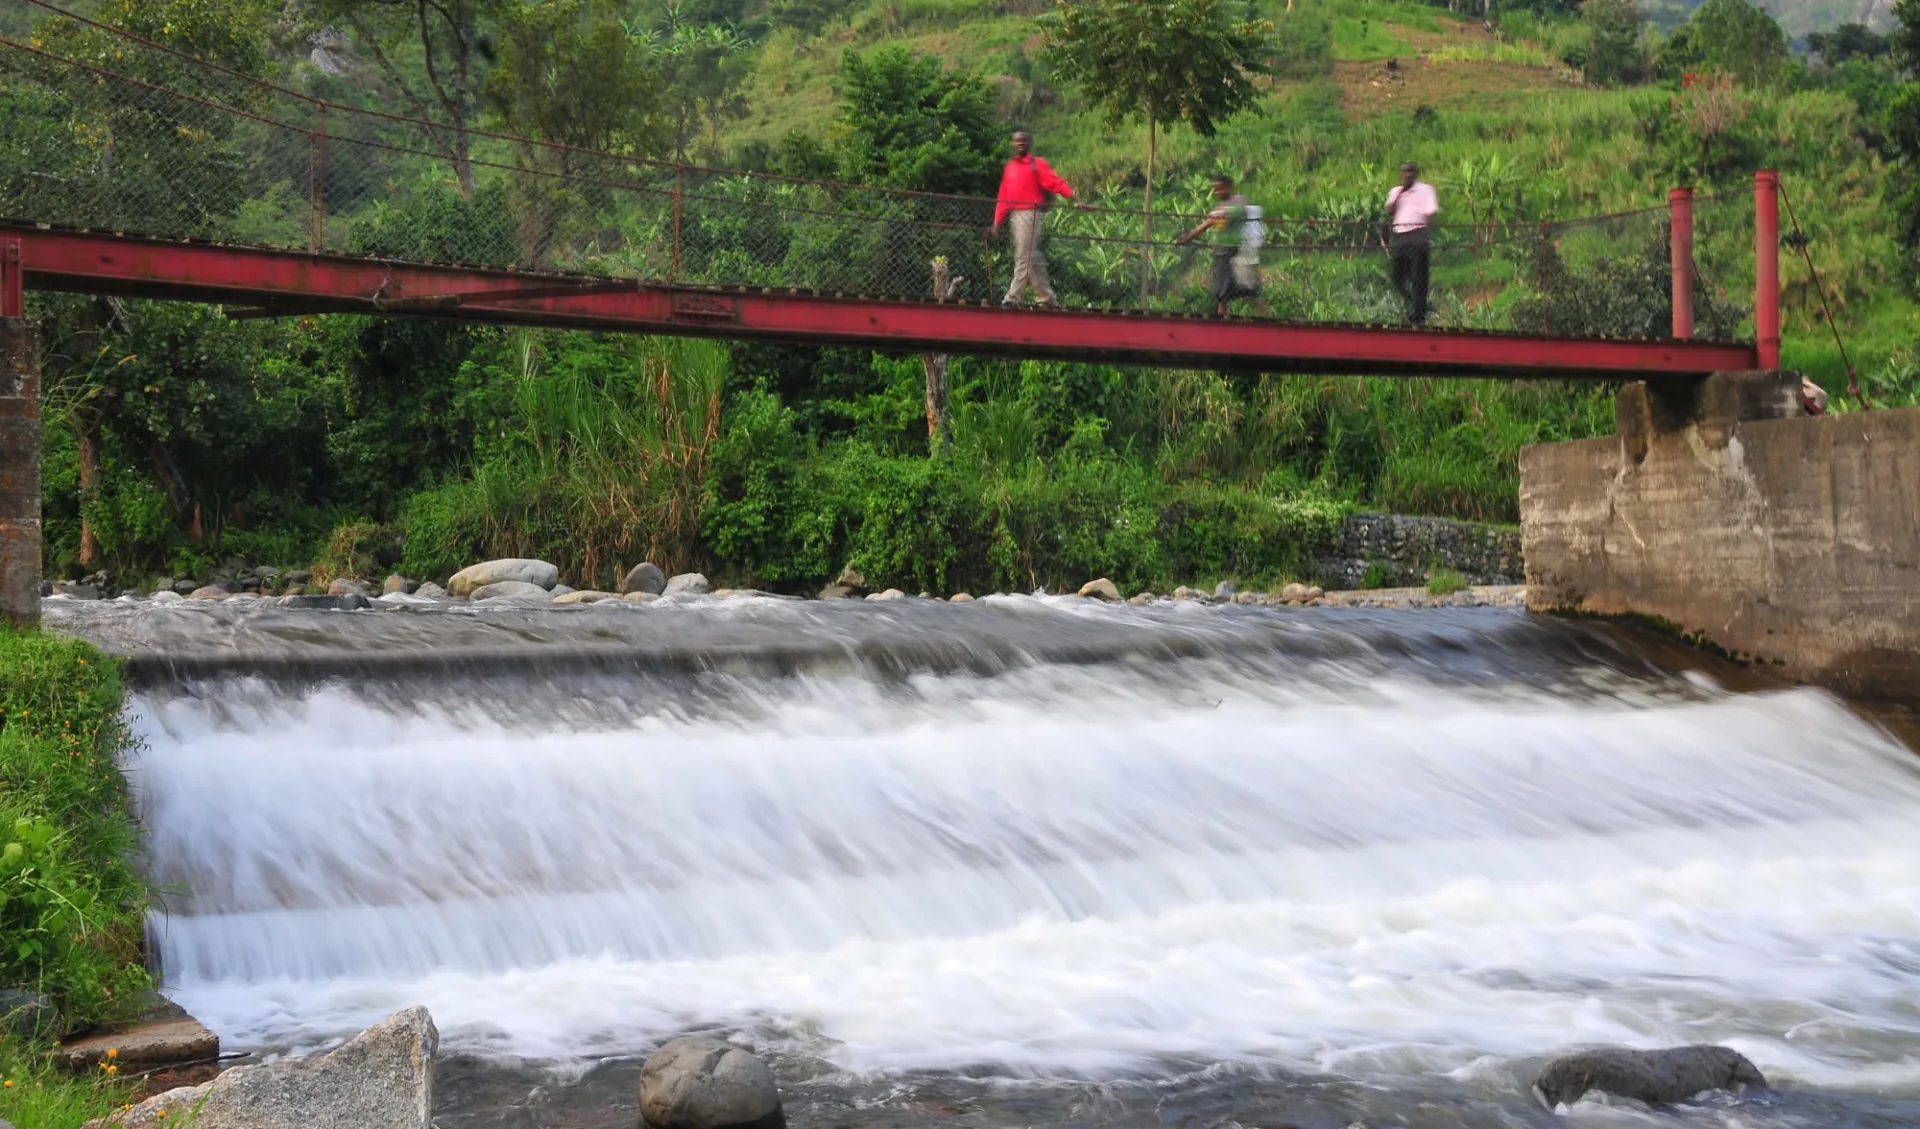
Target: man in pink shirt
x: 1410, y: 208
x: 1027, y: 185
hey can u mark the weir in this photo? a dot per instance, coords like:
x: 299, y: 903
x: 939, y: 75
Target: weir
x: 1327, y: 865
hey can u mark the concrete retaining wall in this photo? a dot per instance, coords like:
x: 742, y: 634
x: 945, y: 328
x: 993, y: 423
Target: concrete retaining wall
x: 1403, y: 551
x: 19, y: 471
x: 1785, y: 540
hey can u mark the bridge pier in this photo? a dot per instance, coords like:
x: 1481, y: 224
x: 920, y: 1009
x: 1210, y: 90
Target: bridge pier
x: 19, y: 471
x: 1726, y: 513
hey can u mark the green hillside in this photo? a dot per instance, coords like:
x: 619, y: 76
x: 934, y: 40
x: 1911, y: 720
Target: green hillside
x: 179, y: 440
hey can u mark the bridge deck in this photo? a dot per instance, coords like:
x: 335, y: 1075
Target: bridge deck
x: 270, y: 282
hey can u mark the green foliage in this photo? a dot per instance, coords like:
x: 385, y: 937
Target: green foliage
x: 46, y: 1096
x: 1615, y: 55
x: 911, y: 122
x: 1445, y: 582
x: 1729, y: 37
x: 1379, y: 574
x: 1161, y: 61
x: 71, y: 904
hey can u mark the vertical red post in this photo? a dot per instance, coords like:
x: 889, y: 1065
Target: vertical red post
x: 1680, y: 202
x: 1766, y: 266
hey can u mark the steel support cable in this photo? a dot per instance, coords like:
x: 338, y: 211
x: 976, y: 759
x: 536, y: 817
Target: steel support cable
x: 1800, y: 242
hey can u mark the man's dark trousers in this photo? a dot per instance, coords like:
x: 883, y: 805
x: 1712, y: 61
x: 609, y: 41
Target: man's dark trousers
x: 1410, y: 272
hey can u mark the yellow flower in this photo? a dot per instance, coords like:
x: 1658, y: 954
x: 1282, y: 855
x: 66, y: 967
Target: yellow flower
x: 159, y: 1113
x: 113, y: 1052
x: 8, y: 1083
x: 112, y: 1069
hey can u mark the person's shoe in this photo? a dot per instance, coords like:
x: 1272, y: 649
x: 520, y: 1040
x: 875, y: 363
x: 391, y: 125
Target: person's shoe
x: 1009, y: 304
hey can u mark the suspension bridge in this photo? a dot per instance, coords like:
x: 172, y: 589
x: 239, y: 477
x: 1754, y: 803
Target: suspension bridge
x: 135, y: 170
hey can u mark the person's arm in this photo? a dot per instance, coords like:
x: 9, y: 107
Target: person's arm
x: 1050, y: 180
x: 1005, y: 204
x: 1214, y: 219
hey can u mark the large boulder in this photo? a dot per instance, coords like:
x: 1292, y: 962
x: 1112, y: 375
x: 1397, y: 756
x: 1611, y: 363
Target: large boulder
x: 644, y: 577
x: 588, y: 597
x: 1101, y: 589
x: 1671, y: 1074
x: 494, y: 572
x: 696, y: 1083
x: 517, y: 588
x: 345, y: 587
x: 689, y: 583
x: 382, y: 1078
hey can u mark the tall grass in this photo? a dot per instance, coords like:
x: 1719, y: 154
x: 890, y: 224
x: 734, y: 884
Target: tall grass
x: 598, y: 460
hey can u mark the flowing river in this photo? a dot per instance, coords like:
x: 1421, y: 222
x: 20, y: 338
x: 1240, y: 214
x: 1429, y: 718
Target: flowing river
x: 1026, y: 861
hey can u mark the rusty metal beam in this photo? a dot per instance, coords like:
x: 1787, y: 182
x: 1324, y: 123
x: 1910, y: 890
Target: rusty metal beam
x: 92, y: 262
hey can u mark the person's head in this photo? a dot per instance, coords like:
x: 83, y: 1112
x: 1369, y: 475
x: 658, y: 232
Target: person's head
x: 1022, y: 142
x: 1409, y: 173
x: 1222, y: 187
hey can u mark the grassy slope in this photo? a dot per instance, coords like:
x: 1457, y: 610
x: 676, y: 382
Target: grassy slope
x: 71, y: 906
x: 1336, y: 132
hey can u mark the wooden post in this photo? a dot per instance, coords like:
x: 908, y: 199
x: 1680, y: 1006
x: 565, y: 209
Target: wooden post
x: 938, y: 425
x: 19, y: 471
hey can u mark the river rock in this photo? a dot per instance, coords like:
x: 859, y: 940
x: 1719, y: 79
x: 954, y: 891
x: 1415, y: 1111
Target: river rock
x: 517, y: 569
x: 171, y: 1040
x: 960, y: 598
x: 696, y: 1083
x: 1223, y: 590
x: 430, y: 591
x: 1101, y: 589
x: 165, y: 596
x: 24, y: 1013
x: 836, y: 592
x: 588, y: 597
x: 209, y: 592
x: 688, y: 583
x: 396, y: 583
x: 299, y: 576
x: 644, y: 577
x: 344, y: 587
x: 381, y: 1078
x: 347, y: 603
x: 185, y: 585
x: 889, y: 594
x: 1672, y: 1074
x: 1185, y: 593
x: 1294, y: 591
x: 851, y: 577
x: 516, y: 588
x: 638, y: 598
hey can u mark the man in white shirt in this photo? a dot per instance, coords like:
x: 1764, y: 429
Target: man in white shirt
x: 1410, y: 208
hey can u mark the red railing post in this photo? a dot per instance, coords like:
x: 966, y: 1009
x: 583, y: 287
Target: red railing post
x: 679, y: 176
x: 1766, y: 266
x: 1680, y: 226
x: 1545, y: 254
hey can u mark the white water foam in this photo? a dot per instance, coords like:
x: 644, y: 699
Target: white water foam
x: 1056, y: 875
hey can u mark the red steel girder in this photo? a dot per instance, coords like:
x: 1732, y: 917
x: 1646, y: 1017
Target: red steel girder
x: 96, y: 262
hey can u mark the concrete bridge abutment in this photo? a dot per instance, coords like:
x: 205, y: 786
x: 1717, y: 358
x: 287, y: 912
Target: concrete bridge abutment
x: 19, y: 471
x: 1722, y: 510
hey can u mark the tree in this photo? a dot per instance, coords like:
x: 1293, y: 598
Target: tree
x: 569, y: 74
x: 452, y: 45
x: 703, y: 68
x: 1903, y: 135
x: 1614, y: 55
x: 1729, y: 37
x: 1848, y: 41
x: 909, y: 122
x: 1161, y: 61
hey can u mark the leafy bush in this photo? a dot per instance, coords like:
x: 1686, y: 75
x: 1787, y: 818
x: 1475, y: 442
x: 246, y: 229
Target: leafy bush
x: 1445, y: 582
x: 71, y: 903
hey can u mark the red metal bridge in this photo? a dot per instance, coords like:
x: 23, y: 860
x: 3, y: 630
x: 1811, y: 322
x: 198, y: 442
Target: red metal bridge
x: 145, y: 173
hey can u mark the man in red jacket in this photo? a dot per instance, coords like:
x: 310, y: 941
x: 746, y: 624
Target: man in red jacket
x: 1026, y: 187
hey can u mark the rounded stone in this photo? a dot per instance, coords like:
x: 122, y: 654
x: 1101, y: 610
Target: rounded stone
x: 519, y: 589
x: 345, y: 587
x: 1101, y: 589
x: 543, y: 574
x: 688, y: 583
x: 699, y: 1083
x: 644, y: 577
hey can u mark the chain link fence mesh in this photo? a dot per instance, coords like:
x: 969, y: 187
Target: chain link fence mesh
x: 109, y: 132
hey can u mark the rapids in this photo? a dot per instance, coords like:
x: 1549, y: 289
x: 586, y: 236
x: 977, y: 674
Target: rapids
x: 1026, y: 860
